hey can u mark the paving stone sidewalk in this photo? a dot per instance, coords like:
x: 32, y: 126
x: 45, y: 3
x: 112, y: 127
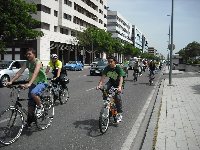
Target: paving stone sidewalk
x: 179, y: 122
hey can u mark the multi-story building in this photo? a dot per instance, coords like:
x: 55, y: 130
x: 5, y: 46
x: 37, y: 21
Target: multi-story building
x: 137, y: 37
x: 152, y: 50
x: 119, y: 27
x: 60, y: 22
x: 144, y: 44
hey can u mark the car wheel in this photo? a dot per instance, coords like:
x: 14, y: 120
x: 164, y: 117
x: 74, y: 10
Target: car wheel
x: 4, y: 79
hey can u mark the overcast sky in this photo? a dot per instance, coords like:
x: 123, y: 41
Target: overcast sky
x: 150, y: 16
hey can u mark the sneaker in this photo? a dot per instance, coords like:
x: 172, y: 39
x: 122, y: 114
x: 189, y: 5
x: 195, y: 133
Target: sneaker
x: 119, y: 118
x: 39, y: 110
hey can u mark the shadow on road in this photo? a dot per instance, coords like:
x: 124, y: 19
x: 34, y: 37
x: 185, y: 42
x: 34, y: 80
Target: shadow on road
x: 91, y: 125
x: 196, y: 88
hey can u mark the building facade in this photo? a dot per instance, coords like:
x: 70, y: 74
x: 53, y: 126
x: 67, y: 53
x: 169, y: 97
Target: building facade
x: 119, y: 27
x: 152, y: 50
x: 137, y: 37
x: 60, y: 22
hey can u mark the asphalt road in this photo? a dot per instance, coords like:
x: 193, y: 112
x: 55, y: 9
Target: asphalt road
x: 75, y: 124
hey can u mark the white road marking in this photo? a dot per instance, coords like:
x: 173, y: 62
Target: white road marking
x: 90, y: 89
x: 132, y: 134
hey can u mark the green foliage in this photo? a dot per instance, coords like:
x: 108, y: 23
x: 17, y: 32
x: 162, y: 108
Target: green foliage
x: 101, y: 41
x: 95, y: 39
x: 149, y: 56
x: 16, y: 21
x: 190, y: 52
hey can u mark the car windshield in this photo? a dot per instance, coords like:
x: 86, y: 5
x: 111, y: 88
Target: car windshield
x: 71, y: 62
x: 4, y: 64
x: 101, y: 63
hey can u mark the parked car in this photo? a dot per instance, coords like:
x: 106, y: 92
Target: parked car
x: 98, y: 68
x: 8, y: 69
x: 74, y: 65
x: 97, y: 60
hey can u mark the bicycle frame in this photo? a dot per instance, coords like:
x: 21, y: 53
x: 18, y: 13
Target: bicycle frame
x: 17, y: 103
x: 108, y: 110
x: 109, y: 101
x: 9, y: 116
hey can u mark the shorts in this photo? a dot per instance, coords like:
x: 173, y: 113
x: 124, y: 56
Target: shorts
x: 36, y: 90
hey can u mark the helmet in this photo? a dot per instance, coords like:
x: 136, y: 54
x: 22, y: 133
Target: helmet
x: 54, y: 56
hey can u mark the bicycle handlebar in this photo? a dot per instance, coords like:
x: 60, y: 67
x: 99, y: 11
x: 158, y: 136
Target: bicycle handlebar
x: 14, y: 86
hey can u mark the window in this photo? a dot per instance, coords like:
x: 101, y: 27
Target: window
x: 55, y: 28
x: 68, y: 2
x: 73, y: 33
x: 55, y: 13
x: 100, y: 21
x: 45, y: 26
x: 43, y: 8
x: 64, y: 31
x: 67, y: 16
x: 100, y: 11
x: 111, y: 17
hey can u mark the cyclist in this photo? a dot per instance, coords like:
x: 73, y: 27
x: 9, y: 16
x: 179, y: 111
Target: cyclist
x: 56, y: 66
x: 126, y: 66
x: 115, y: 74
x: 37, y: 83
x: 152, y: 67
x: 135, y: 69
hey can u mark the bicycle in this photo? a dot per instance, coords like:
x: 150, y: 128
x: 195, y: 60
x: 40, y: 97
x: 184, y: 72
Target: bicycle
x: 12, y: 119
x: 135, y: 75
x: 108, y: 110
x: 60, y: 90
x: 151, y: 77
x: 125, y: 68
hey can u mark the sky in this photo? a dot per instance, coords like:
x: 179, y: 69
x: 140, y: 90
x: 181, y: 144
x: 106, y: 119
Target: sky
x: 151, y: 17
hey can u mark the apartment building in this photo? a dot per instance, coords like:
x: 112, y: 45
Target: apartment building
x: 144, y: 44
x: 139, y: 39
x: 136, y: 37
x: 152, y: 50
x: 60, y: 22
x: 119, y: 27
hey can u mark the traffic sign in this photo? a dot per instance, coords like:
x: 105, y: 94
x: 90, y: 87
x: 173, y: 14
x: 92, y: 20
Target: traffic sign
x: 169, y: 46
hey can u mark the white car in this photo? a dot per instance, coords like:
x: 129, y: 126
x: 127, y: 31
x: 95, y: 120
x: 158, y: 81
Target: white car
x: 8, y: 69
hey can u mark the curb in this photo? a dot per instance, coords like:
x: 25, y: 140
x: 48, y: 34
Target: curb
x: 151, y: 131
x: 136, y: 137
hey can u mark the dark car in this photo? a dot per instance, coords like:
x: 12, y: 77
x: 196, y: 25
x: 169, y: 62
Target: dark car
x: 98, y: 68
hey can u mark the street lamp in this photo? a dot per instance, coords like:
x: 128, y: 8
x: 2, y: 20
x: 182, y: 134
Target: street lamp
x: 168, y: 46
x: 171, y: 45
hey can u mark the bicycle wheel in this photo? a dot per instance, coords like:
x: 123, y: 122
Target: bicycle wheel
x: 64, y: 95
x: 104, y: 120
x: 11, y: 125
x: 44, y: 121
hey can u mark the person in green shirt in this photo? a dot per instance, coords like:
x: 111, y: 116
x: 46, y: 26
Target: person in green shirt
x: 116, y: 76
x: 36, y: 84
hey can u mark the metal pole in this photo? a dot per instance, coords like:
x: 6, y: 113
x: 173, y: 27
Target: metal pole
x: 168, y: 48
x: 172, y: 18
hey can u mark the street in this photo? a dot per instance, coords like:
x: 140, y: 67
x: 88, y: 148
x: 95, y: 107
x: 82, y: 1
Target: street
x: 75, y: 124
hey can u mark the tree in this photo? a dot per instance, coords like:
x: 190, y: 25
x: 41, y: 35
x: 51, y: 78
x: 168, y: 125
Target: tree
x: 16, y: 22
x: 190, y: 51
x: 95, y: 40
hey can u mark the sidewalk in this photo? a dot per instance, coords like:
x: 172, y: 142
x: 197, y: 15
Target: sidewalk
x: 179, y: 121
